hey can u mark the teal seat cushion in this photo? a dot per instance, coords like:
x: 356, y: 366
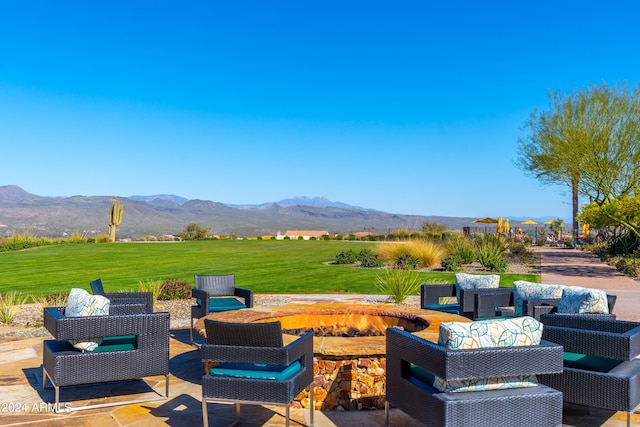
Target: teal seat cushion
x: 447, y: 308
x: 419, y: 374
x: 124, y: 342
x: 589, y: 363
x: 223, y: 304
x: 256, y: 371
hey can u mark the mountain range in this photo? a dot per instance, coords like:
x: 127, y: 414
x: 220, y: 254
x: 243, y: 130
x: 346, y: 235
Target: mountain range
x: 23, y: 212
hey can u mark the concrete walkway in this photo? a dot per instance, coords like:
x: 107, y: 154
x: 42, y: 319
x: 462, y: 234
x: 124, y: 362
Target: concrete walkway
x: 579, y: 268
x: 23, y: 402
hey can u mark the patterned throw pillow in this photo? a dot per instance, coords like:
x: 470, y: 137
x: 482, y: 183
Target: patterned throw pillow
x: 576, y: 299
x: 81, y: 303
x: 523, y: 290
x: 476, y: 281
x: 520, y: 331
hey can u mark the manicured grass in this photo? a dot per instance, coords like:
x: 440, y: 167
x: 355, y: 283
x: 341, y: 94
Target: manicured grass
x: 263, y: 266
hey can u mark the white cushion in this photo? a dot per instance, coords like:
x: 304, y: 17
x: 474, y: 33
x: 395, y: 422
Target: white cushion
x: 576, y: 299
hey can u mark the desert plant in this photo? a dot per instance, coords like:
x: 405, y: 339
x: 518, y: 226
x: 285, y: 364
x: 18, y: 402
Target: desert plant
x: 57, y: 299
x: 115, y: 218
x: 461, y: 248
x: 428, y: 252
x: 389, y: 253
x: 174, y: 289
x: 398, y: 283
x: 490, y: 250
x: 10, y: 303
x: 153, y: 286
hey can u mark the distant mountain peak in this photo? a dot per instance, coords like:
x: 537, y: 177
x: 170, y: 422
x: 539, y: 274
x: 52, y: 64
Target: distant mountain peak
x: 14, y: 194
x: 318, y: 202
x: 160, y: 197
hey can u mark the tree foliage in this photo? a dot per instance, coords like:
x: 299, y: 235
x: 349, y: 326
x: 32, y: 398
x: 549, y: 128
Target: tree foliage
x: 588, y: 140
x: 194, y: 231
x: 621, y: 212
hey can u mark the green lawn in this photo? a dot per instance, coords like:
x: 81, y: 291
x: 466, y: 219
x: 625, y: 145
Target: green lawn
x: 263, y: 266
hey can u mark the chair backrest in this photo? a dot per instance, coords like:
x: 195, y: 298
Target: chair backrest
x: 267, y: 334
x: 96, y: 287
x: 611, y: 301
x: 219, y: 284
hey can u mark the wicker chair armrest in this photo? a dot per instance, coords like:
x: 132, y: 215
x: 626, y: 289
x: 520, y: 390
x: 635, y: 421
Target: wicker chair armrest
x: 199, y: 294
x: 403, y: 347
x: 68, y: 328
x: 486, y: 303
x: 468, y: 299
x: 431, y: 293
x: 246, y: 294
x: 248, y: 354
x: 593, y: 335
x: 137, y: 298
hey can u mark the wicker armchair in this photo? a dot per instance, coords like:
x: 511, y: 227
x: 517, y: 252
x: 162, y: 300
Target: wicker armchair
x: 134, y: 346
x: 124, y: 302
x: 492, y: 304
x: 412, y: 362
x: 430, y: 295
x: 600, y: 367
x: 215, y: 293
x: 253, y: 366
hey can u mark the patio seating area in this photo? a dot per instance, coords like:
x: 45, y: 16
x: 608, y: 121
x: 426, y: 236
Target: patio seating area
x: 25, y: 402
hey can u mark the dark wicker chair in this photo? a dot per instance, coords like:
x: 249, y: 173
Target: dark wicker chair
x: 600, y: 368
x: 240, y: 348
x: 215, y: 293
x: 124, y: 302
x: 134, y: 346
x: 492, y: 304
x: 413, y: 361
x: 430, y: 295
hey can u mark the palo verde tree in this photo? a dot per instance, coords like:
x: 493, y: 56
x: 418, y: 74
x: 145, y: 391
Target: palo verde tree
x: 588, y: 141
x: 115, y: 218
x: 194, y: 231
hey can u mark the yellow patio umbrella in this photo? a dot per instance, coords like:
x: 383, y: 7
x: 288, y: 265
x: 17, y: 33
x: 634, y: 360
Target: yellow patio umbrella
x: 550, y: 222
x: 506, y: 225
x: 585, y: 229
x: 528, y: 222
x: 499, y: 228
x: 486, y: 220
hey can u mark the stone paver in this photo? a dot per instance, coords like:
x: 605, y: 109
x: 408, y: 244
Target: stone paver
x: 23, y: 402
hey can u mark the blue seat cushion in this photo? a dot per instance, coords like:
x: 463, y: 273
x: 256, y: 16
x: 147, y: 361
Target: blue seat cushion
x: 256, y: 371
x: 589, y: 363
x: 447, y: 308
x: 119, y: 343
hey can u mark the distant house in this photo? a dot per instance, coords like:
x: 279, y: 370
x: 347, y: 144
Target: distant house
x: 305, y: 234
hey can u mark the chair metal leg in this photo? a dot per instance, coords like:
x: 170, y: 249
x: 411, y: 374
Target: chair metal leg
x: 386, y: 413
x: 311, y: 406
x: 205, y: 416
x: 191, y: 331
x: 286, y: 423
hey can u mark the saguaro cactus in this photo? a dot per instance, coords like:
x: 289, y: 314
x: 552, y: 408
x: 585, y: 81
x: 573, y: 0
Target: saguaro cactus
x: 115, y: 218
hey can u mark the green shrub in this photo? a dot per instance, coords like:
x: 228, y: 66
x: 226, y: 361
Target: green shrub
x: 173, y: 289
x: 452, y: 263
x: 407, y: 262
x: 369, y: 260
x: 399, y: 284
x: 347, y: 257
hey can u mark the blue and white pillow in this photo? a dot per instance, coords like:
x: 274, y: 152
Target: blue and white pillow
x: 523, y: 290
x: 519, y: 331
x: 476, y: 281
x: 576, y: 299
x: 82, y: 303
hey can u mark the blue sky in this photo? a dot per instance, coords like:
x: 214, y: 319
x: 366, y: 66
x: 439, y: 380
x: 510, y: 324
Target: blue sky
x: 409, y: 107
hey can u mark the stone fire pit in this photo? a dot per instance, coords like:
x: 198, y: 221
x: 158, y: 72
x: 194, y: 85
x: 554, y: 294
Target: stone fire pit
x: 349, y: 371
